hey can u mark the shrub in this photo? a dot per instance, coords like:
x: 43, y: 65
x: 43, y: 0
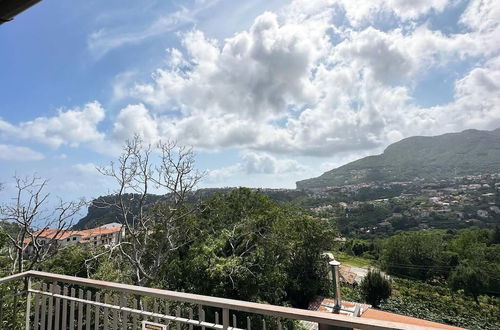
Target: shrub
x: 375, y: 288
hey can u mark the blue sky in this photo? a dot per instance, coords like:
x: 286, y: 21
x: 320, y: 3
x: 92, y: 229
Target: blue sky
x: 266, y: 92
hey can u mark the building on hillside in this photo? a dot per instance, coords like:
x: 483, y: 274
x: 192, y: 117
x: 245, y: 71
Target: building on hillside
x: 106, y: 235
x: 482, y: 213
x: 495, y: 209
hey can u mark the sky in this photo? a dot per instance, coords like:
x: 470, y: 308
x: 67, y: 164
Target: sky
x: 267, y: 92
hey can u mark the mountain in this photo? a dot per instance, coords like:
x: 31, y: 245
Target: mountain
x: 101, y: 211
x: 420, y: 157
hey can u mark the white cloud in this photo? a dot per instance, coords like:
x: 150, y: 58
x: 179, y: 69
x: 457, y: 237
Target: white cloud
x: 410, y: 9
x: 477, y: 98
x: 71, y: 127
x: 104, y: 40
x: 255, y: 74
x: 276, y: 171
x: 135, y: 119
x: 300, y: 83
x: 482, y: 15
x: 360, y: 12
x: 86, y: 169
x: 253, y: 162
x: 284, y: 86
x: 17, y: 153
x: 380, y: 52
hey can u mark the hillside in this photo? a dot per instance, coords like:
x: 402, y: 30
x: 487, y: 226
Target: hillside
x: 100, y: 212
x: 428, y: 158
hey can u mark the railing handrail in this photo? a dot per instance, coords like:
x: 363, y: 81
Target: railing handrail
x: 14, y: 277
x: 232, y: 304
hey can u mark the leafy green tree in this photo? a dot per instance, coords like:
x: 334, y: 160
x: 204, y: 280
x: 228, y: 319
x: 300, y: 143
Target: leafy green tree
x: 366, y: 215
x: 252, y: 248
x: 478, y: 254
x: 495, y: 235
x: 468, y: 240
x: 357, y: 246
x: 4, y: 258
x: 71, y: 260
x: 420, y: 255
x: 112, y: 268
x: 375, y: 288
x: 472, y: 280
x: 3, y: 238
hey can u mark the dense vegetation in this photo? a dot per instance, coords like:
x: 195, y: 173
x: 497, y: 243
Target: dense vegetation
x: 436, y: 303
x: 467, y: 260
x: 266, y: 245
x: 444, y: 276
x: 429, y: 158
x: 99, y: 213
x: 238, y: 245
x: 249, y: 247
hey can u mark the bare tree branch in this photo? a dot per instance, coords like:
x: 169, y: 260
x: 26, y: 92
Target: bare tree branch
x: 38, y: 229
x: 152, y: 232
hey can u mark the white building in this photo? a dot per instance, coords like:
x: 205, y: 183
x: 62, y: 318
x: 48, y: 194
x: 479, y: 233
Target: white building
x: 106, y: 235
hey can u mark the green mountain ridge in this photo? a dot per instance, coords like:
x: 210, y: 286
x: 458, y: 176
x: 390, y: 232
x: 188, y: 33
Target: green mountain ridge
x: 420, y: 157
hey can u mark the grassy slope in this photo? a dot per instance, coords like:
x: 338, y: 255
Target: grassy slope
x: 354, y: 261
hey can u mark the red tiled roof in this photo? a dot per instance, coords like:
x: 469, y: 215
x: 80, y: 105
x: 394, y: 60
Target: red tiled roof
x: 326, y: 305
x: 347, y: 275
x: 51, y: 233
x: 98, y: 231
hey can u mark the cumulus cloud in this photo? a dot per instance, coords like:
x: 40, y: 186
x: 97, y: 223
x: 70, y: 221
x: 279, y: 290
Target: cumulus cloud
x: 10, y: 152
x: 303, y: 82
x: 71, y: 127
x: 257, y: 164
x: 477, y: 97
x: 254, y: 74
x: 410, y: 9
x: 361, y: 12
x: 381, y: 53
x: 254, y: 162
x: 285, y: 86
x: 135, y: 119
x: 482, y: 15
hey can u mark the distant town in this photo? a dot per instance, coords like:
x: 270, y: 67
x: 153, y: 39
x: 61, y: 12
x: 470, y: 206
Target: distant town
x: 457, y: 203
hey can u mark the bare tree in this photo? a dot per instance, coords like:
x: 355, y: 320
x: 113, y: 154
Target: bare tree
x: 153, y: 228
x: 37, y: 229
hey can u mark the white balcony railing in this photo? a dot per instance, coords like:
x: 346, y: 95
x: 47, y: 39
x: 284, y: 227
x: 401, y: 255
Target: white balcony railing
x: 40, y: 301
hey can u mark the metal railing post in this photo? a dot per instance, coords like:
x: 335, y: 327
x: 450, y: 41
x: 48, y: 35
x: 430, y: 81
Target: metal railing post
x: 225, y: 318
x: 28, y: 303
x: 41, y: 300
